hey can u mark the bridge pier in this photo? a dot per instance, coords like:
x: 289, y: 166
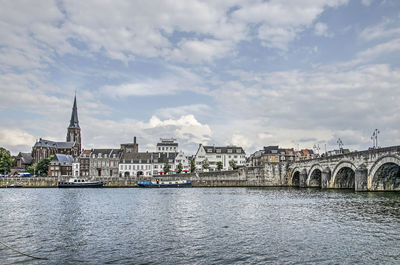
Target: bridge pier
x: 361, y: 179
x: 303, y: 179
x: 325, y: 178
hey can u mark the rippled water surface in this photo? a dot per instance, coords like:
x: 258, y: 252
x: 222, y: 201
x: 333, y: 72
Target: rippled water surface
x: 199, y: 226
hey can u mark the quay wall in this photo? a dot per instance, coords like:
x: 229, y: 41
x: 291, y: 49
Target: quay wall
x: 268, y: 176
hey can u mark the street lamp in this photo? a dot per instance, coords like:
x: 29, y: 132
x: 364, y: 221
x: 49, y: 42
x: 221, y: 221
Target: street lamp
x: 340, y: 143
x: 374, y: 138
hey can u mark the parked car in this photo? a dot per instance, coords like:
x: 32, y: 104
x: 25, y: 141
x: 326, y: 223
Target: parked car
x: 23, y: 175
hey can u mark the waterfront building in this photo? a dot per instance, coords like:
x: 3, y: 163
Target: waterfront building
x: 21, y: 162
x: 160, y: 159
x: 104, y: 162
x: 130, y: 147
x: 211, y: 155
x: 84, y: 163
x: 182, y: 159
x: 167, y: 145
x: 76, y: 168
x: 135, y: 164
x: 45, y: 148
x: 60, y: 166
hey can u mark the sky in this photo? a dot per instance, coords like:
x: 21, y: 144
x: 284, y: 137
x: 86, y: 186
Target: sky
x: 293, y: 73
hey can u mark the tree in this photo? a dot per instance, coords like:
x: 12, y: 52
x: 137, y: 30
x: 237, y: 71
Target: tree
x: 167, y: 167
x: 6, y: 160
x: 206, y: 164
x: 31, y: 169
x: 192, y: 166
x: 219, y: 165
x: 232, y: 163
x: 42, y: 166
x: 180, y: 167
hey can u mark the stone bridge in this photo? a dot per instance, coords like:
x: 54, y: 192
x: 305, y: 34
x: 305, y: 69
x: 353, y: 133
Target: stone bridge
x: 371, y: 170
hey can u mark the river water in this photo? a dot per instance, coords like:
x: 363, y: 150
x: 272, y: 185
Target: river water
x: 199, y: 226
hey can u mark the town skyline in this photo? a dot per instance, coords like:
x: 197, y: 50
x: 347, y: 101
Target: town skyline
x: 287, y: 73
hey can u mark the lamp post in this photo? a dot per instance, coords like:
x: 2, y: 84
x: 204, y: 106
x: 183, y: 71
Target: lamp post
x: 340, y: 143
x: 374, y: 138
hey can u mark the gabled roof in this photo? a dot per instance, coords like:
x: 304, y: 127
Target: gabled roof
x: 65, y: 160
x: 26, y: 158
x: 58, y: 145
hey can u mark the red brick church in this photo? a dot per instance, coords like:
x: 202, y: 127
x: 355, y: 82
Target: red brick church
x: 45, y: 148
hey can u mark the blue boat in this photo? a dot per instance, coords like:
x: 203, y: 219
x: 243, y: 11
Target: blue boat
x: 165, y: 184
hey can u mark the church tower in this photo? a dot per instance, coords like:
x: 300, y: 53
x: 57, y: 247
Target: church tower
x: 74, y: 131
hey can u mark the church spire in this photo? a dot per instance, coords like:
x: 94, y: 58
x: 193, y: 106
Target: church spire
x: 74, y: 123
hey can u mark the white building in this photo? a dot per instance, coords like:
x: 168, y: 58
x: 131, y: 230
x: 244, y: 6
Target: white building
x: 224, y: 154
x: 167, y: 145
x: 76, y: 168
x: 159, y: 161
x: 135, y: 164
x: 184, y: 160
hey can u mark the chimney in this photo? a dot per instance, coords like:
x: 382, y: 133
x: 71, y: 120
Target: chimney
x: 134, y: 140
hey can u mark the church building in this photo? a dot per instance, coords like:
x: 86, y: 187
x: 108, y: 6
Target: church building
x: 45, y: 148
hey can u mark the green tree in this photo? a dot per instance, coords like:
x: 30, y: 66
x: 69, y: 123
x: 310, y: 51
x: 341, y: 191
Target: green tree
x: 167, y: 167
x: 180, y: 167
x: 206, y: 164
x: 31, y: 169
x: 6, y: 160
x: 219, y: 165
x: 233, y: 165
x: 42, y: 166
x: 192, y: 166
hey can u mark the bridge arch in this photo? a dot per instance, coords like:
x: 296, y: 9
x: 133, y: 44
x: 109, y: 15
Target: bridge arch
x: 315, y: 175
x: 295, y: 177
x: 343, y: 175
x: 385, y: 173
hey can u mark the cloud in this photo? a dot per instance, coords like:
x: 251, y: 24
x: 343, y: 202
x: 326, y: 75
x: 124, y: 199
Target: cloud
x: 321, y: 29
x: 366, y: 2
x: 16, y: 140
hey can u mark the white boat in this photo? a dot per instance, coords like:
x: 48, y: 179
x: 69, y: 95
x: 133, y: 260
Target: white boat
x: 80, y: 183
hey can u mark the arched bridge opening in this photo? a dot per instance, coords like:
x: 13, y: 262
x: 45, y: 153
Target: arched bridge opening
x: 315, y: 178
x: 345, y: 178
x: 387, y: 177
x: 296, y: 179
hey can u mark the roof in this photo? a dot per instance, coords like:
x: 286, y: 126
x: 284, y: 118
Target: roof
x: 167, y: 144
x: 163, y: 158
x: 26, y: 158
x: 74, y: 122
x: 136, y: 158
x: 63, y: 159
x: 224, y: 149
x: 58, y: 145
x: 108, y: 152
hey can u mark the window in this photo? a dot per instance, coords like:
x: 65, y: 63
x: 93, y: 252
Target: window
x: 209, y: 150
x: 229, y: 150
x: 218, y: 150
x: 235, y: 156
x: 238, y: 151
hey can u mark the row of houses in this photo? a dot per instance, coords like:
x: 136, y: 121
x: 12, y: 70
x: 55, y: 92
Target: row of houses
x: 127, y: 161
x: 274, y: 154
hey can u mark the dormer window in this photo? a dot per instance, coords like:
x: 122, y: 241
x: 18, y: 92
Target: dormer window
x: 209, y: 150
x: 229, y: 150
x: 219, y: 151
x: 238, y: 151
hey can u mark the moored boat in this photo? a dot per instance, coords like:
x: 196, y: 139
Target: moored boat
x: 80, y: 183
x: 14, y: 186
x: 165, y: 183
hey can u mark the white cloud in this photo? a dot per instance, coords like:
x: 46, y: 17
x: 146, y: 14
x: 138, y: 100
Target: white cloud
x: 321, y: 29
x: 16, y: 140
x: 366, y: 2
